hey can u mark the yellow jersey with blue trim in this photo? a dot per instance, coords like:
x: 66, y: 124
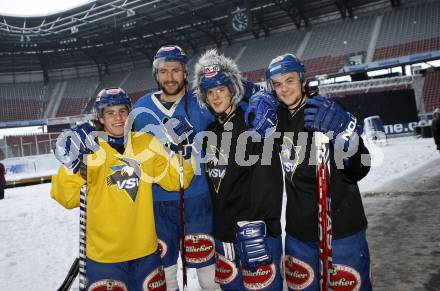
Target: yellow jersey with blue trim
x: 120, y: 220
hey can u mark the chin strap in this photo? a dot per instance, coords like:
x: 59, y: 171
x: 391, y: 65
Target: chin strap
x: 300, y: 103
x: 222, y: 116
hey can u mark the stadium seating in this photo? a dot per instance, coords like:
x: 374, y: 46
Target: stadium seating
x: 76, y: 95
x: 409, y: 48
x: 22, y: 101
x: 409, y: 30
x: 431, y: 90
x: 27, y: 145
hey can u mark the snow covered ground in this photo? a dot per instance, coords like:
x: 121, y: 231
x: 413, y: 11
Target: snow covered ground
x: 39, y: 238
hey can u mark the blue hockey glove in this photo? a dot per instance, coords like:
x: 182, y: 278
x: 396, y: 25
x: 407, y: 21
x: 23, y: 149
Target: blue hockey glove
x: 180, y: 134
x: 252, y: 246
x: 73, y: 144
x: 250, y: 89
x: 325, y: 115
x: 261, y: 114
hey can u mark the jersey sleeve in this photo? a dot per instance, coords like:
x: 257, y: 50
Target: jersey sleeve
x: 66, y: 187
x: 165, y: 171
x: 358, y: 164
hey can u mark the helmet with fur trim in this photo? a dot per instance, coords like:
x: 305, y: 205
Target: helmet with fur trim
x: 214, y: 70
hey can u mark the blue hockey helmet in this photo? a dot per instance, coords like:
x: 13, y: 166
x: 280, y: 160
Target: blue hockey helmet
x: 214, y: 79
x: 213, y: 70
x: 283, y: 64
x: 111, y: 97
x: 169, y: 53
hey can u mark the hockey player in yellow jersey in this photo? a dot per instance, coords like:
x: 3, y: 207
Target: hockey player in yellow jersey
x: 119, y: 170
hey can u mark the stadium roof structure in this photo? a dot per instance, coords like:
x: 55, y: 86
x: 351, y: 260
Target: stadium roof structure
x: 109, y: 32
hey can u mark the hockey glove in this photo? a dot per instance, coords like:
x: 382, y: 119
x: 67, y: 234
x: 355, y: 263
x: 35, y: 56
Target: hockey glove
x: 261, y: 114
x: 180, y: 134
x: 73, y: 144
x: 250, y: 89
x: 252, y: 246
x: 325, y: 115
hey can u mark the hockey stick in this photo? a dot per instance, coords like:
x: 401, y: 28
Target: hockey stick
x: 182, y: 219
x: 324, y: 211
x: 71, y: 275
x: 79, y: 264
x: 82, y: 237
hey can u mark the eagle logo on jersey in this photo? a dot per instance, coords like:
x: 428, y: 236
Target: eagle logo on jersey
x: 289, y: 157
x: 126, y: 177
x: 216, y: 165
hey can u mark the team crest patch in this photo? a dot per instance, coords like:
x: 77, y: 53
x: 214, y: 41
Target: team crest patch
x: 260, y: 279
x: 162, y: 247
x: 299, y: 275
x: 155, y: 281
x: 126, y: 177
x: 108, y: 284
x: 289, y: 157
x: 199, y: 248
x: 216, y: 166
x: 225, y: 270
x: 346, y: 278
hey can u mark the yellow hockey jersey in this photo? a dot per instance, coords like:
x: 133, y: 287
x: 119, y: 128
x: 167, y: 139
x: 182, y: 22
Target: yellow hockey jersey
x: 120, y: 220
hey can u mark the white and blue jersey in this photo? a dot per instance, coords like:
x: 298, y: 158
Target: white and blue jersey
x: 153, y: 112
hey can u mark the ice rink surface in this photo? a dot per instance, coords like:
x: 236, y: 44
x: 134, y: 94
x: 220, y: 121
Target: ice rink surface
x: 401, y: 195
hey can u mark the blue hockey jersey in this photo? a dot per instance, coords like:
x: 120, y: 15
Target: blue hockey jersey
x: 149, y: 112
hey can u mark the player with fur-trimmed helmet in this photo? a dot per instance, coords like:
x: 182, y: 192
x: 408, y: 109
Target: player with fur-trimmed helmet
x: 217, y: 71
x: 247, y: 209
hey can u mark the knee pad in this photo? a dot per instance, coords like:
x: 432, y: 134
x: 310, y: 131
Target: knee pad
x: 155, y: 280
x: 199, y: 248
x: 108, y: 284
x: 263, y: 277
x: 171, y: 278
x: 206, y: 277
x: 298, y: 274
x: 226, y: 272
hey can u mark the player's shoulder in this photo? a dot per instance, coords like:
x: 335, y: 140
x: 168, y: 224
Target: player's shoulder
x: 145, y: 100
x: 138, y: 138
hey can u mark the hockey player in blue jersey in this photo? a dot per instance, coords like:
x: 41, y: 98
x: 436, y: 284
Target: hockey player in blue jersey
x: 174, y: 101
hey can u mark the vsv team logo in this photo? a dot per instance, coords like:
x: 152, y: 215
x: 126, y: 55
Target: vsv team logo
x: 216, y: 166
x: 126, y: 177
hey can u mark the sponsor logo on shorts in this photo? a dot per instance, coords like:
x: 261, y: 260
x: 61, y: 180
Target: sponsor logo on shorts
x: 162, y: 247
x: 259, y: 279
x: 199, y: 248
x: 346, y: 278
x: 225, y: 270
x: 108, y: 284
x: 155, y: 281
x: 299, y: 275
